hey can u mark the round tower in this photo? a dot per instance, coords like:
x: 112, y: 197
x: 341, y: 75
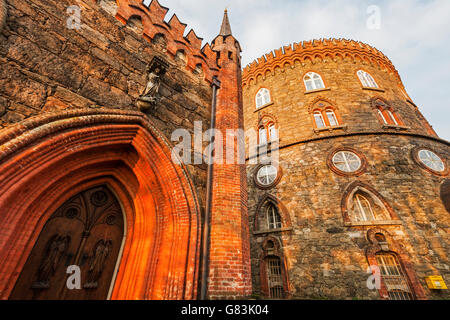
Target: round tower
x: 359, y: 188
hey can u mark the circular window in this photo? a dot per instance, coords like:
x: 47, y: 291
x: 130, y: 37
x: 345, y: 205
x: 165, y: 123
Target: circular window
x: 347, y: 161
x: 267, y: 175
x: 431, y: 160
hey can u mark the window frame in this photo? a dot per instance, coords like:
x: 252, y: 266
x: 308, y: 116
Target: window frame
x: 263, y: 98
x: 274, y: 183
x: 367, y: 79
x: 314, y: 87
x: 416, y: 157
x: 336, y: 170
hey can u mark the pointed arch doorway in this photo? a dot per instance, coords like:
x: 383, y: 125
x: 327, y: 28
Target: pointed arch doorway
x: 53, y: 158
x: 85, y: 232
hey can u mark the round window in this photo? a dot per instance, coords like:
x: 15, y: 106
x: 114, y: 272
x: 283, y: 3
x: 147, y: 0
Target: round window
x: 347, y: 161
x: 267, y: 175
x: 431, y: 160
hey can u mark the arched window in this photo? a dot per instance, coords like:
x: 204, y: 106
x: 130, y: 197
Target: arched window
x: 386, y: 113
x: 380, y: 113
x: 262, y: 98
x: 320, y: 123
x: 313, y: 81
x: 273, y: 217
x: 274, y: 277
x: 367, y: 207
x: 366, y: 79
x: 262, y: 135
x: 394, y: 277
x: 267, y: 132
x: 363, y: 208
x: 392, y: 117
x: 273, y: 133
x: 332, y: 119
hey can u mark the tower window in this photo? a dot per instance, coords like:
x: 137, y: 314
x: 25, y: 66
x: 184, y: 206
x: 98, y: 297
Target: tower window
x: 364, y: 208
x: 331, y: 116
x: 386, y: 114
x: 262, y: 135
x: 347, y: 161
x: 320, y: 123
x: 313, y: 81
x: 431, y: 160
x: 393, y: 277
x: 267, y: 175
x: 273, y: 217
x: 262, y: 98
x: 366, y: 79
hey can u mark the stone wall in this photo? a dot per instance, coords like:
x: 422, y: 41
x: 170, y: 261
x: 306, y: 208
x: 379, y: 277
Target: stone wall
x: 47, y: 67
x: 326, y: 257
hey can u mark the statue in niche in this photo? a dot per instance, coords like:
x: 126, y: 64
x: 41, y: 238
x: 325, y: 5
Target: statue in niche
x: 56, y: 249
x: 101, y: 254
x: 150, y: 97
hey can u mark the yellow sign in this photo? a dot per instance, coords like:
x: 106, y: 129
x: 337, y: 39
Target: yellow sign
x: 436, y: 282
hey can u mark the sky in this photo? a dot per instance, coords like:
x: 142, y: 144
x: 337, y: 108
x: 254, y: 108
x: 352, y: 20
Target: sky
x: 413, y: 34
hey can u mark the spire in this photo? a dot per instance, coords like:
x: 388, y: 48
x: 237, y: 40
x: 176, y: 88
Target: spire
x: 225, y: 30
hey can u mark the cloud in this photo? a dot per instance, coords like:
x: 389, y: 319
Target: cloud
x: 414, y: 34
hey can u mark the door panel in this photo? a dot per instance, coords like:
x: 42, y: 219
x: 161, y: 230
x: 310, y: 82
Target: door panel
x: 86, y: 231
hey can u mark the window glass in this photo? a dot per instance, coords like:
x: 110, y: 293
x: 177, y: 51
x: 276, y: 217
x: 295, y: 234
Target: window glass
x: 431, y: 160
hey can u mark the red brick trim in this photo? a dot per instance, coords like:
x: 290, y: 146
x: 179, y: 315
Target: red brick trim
x: 357, y: 173
x: 349, y: 191
x: 266, y: 253
x: 47, y: 159
x: 415, y: 155
x: 394, y: 248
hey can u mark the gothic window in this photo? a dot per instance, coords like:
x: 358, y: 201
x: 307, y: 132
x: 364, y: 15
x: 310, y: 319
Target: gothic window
x: 262, y: 98
x: 366, y: 79
x: 347, y: 161
x: 325, y: 115
x: 380, y: 113
x: 386, y: 114
x: 273, y: 217
x: 431, y: 160
x: 313, y: 81
x: 267, y: 175
x: 320, y: 123
x: 394, y: 277
x: 366, y: 207
x: 274, y: 277
x: 262, y: 135
x: 273, y: 133
x: 332, y: 119
x: 363, y: 208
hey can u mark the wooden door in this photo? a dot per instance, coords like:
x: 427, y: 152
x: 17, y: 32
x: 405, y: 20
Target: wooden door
x: 87, y: 232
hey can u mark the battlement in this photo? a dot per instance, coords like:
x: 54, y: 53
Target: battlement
x: 152, y: 18
x: 313, y: 51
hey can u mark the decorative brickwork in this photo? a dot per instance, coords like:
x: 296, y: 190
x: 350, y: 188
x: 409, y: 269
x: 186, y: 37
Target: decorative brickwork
x: 62, y: 154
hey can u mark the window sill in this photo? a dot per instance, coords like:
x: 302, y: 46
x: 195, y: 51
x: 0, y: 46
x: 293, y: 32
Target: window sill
x: 373, y: 89
x: 257, y: 233
x: 374, y: 223
x: 330, y: 129
x: 318, y: 90
x: 263, y: 107
x: 392, y: 126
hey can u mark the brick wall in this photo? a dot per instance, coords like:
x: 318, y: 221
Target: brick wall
x: 46, y: 67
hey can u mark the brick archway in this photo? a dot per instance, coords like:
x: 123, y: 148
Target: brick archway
x: 47, y: 159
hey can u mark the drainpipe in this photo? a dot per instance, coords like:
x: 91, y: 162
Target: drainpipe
x: 209, y: 186
x: 3, y: 13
